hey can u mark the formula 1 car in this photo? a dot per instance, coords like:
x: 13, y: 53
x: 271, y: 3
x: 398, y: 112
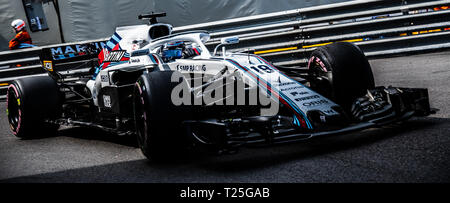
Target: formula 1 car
x: 172, y: 93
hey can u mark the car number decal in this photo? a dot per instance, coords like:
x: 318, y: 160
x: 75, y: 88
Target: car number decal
x: 293, y: 94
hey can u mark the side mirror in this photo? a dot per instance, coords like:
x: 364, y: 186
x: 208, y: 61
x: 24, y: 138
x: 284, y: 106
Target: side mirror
x: 229, y: 40
x: 226, y: 41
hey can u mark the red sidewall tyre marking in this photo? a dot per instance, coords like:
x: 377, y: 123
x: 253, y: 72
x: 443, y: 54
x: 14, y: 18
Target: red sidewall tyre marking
x: 17, y: 128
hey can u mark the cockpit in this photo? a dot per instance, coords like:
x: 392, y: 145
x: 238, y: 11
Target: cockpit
x: 179, y: 50
x: 188, y: 45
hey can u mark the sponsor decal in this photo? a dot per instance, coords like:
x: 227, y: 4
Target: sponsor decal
x: 315, y: 103
x: 107, y: 101
x: 286, y: 83
x: 296, y: 93
x: 294, y: 88
x: 104, y: 78
x: 48, y: 65
x: 307, y: 98
x: 135, y: 60
x: 191, y: 68
x: 114, y: 56
x: 74, y: 49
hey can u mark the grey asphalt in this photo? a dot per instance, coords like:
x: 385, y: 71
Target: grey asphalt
x: 414, y: 151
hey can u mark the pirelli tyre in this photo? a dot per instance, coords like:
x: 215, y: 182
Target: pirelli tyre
x: 30, y: 104
x: 340, y: 72
x: 158, y: 121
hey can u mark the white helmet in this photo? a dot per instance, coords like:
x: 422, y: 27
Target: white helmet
x: 18, y: 25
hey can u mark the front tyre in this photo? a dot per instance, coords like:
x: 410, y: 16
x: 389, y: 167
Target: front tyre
x: 158, y: 121
x: 340, y: 72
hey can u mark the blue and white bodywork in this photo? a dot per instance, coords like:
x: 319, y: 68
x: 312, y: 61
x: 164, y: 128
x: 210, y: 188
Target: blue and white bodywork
x: 253, y: 69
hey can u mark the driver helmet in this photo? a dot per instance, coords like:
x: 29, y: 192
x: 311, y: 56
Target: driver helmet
x: 18, y: 25
x: 173, y: 50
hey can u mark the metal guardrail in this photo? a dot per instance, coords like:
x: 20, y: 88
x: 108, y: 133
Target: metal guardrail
x: 381, y: 28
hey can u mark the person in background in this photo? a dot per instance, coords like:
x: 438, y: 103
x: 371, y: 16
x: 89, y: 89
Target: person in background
x: 22, y: 38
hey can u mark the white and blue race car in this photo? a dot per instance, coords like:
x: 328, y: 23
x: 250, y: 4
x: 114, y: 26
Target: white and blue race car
x: 172, y: 93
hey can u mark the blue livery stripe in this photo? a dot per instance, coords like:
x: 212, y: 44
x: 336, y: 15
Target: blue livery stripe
x: 110, y: 45
x: 117, y: 36
x: 282, y: 96
x: 114, y: 41
x: 152, y: 57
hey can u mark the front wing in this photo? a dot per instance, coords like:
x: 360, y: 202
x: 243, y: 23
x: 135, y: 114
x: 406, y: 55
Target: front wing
x: 379, y: 107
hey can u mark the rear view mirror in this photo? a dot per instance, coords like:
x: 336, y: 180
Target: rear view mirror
x: 226, y: 41
x: 229, y: 40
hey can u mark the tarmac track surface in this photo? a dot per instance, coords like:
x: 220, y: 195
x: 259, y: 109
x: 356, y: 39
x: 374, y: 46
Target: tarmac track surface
x: 414, y: 151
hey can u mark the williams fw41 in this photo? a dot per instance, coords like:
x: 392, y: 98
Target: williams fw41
x: 172, y: 93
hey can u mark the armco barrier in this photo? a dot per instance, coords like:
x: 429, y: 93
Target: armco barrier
x: 380, y: 28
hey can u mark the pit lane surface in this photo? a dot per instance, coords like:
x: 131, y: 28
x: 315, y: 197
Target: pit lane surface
x: 415, y: 151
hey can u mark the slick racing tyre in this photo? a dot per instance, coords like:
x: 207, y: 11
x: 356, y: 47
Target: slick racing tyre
x: 340, y: 72
x: 30, y: 102
x: 158, y: 121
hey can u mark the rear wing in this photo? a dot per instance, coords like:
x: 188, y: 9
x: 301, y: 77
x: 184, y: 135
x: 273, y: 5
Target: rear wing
x: 61, y: 61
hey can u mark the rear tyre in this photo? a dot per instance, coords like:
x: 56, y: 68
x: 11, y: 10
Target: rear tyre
x: 160, y: 134
x: 340, y: 72
x: 30, y: 103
